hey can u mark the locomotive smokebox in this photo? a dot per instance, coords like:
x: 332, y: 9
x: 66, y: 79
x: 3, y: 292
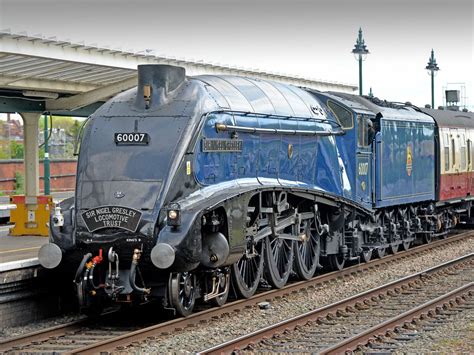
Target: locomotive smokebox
x: 156, y: 83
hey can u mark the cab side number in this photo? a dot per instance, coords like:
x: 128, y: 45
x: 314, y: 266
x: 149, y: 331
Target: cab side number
x: 363, y: 168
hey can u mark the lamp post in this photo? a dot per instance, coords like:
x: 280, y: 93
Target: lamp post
x: 46, y: 157
x: 360, y: 52
x: 432, y: 68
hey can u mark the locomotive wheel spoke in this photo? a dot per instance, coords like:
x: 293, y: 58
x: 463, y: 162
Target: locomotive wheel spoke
x: 278, y: 260
x: 247, y: 272
x: 182, y: 293
x: 224, y: 289
x: 307, y: 251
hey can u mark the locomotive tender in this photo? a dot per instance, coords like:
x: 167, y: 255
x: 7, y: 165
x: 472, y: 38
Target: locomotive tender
x: 189, y: 187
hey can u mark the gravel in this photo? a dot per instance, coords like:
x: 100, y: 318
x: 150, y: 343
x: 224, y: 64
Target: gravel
x: 229, y: 326
x: 314, y: 337
x: 454, y: 336
x: 6, y: 333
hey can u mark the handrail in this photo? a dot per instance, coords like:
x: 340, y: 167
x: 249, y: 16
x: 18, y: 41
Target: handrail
x: 276, y: 116
x: 235, y: 128
x: 223, y: 127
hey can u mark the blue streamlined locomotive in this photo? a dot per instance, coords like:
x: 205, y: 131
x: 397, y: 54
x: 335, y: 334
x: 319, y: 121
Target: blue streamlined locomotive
x: 188, y: 188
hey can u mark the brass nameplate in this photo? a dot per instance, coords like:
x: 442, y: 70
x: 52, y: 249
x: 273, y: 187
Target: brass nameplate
x: 221, y: 145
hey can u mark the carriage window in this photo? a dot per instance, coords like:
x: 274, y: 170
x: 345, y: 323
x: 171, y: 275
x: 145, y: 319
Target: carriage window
x: 343, y: 115
x: 446, y: 158
x: 453, y: 147
x: 463, y: 152
x: 446, y: 152
x: 469, y: 147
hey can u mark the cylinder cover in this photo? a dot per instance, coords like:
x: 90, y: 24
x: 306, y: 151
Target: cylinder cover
x: 215, y: 250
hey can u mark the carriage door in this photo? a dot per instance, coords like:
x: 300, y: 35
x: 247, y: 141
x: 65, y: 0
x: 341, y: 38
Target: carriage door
x: 364, y: 161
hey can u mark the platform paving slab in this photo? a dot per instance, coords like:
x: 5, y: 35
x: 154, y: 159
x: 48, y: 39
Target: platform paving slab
x: 19, y: 249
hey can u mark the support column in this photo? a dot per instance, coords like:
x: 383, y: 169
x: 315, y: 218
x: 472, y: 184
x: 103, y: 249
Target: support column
x: 31, y: 129
x: 32, y: 211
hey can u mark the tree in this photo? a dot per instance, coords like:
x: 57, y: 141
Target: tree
x: 74, y: 130
x: 17, y: 150
x: 69, y: 124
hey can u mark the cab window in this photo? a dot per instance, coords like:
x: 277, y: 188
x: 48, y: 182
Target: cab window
x: 363, y: 131
x: 343, y: 115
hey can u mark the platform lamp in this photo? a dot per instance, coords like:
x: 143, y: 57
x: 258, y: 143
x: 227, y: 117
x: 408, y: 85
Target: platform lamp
x: 432, y: 68
x: 360, y: 52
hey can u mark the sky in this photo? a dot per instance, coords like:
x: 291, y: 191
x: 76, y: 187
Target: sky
x: 312, y: 39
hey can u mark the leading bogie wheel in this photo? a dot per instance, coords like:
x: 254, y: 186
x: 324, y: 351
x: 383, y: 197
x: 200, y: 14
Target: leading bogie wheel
x: 90, y: 303
x: 307, y: 250
x: 182, y: 292
x: 223, y: 289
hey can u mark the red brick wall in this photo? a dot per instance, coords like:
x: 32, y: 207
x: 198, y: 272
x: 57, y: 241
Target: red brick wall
x: 63, y: 174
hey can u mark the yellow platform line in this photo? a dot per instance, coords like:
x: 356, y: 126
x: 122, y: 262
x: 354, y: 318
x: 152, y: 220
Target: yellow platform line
x: 15, y: 250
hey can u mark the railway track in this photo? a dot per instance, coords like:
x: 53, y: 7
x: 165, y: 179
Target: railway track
x: 93, y: 337
x: 393, y: 330
x: 353, y: 322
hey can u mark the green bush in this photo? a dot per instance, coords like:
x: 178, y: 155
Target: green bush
x: 17, y: 150
x: 19, y: 184
x: 4, y: 154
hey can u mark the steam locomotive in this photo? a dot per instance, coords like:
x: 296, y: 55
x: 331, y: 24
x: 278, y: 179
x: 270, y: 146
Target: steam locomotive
x: 191, y: 187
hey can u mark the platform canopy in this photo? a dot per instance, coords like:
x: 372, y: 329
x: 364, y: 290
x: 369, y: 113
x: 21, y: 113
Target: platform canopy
x: 40, y: 74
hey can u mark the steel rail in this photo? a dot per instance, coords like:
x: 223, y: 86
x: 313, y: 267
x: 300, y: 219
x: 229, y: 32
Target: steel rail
x: 42, y: 334
x: 380, y: 329
x: 314, y: 315
x: 55, y: 331
x: 196, y: 318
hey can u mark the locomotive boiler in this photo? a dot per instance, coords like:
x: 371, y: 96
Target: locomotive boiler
x: 192, y: 188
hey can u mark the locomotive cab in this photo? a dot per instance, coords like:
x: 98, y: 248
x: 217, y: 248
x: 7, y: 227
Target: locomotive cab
x: 356, y: 146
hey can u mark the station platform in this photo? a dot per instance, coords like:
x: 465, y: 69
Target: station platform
x: 19, y: 252
x: 6, y: 206
x: 5, y: 210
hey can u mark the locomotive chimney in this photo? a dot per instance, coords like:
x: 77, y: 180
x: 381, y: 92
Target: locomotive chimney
x: 156, y: 82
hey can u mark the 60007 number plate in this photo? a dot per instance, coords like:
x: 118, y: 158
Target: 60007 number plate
x: 135, y: 138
